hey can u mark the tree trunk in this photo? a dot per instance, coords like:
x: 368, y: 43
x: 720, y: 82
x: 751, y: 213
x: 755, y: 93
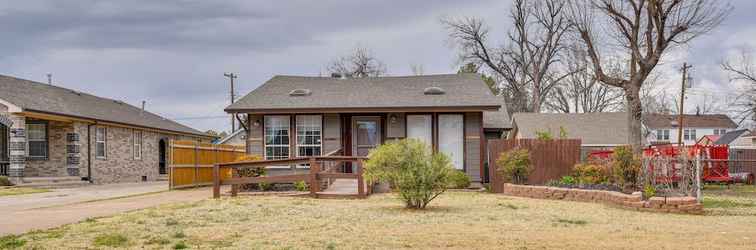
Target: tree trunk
x: 634, y: 115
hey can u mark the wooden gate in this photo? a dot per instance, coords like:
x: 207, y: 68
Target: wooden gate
x: 191, y: 163
x: 551, y: 159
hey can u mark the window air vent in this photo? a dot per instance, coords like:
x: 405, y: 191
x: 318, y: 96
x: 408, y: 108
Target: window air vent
x: 434, y: 91
x: 300, y: 92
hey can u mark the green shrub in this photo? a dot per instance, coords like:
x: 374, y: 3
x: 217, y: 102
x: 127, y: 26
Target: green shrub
x: 567, y: 180
x: 408, y: 165
x: 459, y: 180
x: 514, y: 165
x: 562, y: 133
x: 264, y: 186
x: 11, y: 242
x: 553, y: 183
x: 111, y: 240
x: 250, y: 172
x: 544, y: 135
x: 180, y: 245
x: 649, y: 191
x: 625, y: 166
x: 590, y: 173
x: 5, y: 182
x: 301, y: 186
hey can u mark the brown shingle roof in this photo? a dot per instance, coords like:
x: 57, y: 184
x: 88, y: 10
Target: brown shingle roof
x: 392, y: 92
x: 654, y: 121
x: 40, y: 97
x: 591, y: 128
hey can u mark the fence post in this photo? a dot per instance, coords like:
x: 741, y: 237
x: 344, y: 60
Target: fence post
x: 360, y: 180
x: 234, y: 187
x: 314, y: 183
x: 196, y: 164
x: 216, y: 181
x: 698, y: 178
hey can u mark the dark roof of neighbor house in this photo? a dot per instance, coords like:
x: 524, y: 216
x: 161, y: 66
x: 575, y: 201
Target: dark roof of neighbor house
x: 45, y: 98
x: 287, y: 93
x: 591, y: 128
x: 654, y: 121
x: 731, y: 136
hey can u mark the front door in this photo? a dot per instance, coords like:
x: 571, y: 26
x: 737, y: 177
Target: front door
x: 366, y: 134
x: 4, y: 138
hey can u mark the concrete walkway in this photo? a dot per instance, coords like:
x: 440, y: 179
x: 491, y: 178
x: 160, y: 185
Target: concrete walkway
x: 22, y: 213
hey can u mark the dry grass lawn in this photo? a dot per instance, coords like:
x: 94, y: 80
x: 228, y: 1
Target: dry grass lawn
x: 6, y: 191
x: 457, y: 220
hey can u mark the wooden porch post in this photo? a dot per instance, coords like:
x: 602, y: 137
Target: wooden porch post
x: 360, y: 180
x: 314, y: 183
x: 216, y: 181
x: 234, y: 187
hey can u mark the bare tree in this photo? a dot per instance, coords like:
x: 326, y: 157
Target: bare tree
x: 361, y: 63
x: 527, y: 65
x: 642, y: 31
x: 581, y: 92
x: 742, y: 70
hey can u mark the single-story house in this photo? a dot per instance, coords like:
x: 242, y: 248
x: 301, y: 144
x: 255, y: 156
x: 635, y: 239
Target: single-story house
x: 597, y: 131
x: 664, y: 128
x: 50, y: 131
x: 741, y: 138
x: 299, y: 116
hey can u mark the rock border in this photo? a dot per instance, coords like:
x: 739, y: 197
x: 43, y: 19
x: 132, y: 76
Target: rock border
x: 684, y: 205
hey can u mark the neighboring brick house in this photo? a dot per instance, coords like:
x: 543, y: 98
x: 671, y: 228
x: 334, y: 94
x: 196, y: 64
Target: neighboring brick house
x: 49, y: 131
x: 298, y: 116
x: 664, y: 128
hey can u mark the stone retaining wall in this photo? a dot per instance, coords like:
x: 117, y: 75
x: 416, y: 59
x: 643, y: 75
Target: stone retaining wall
x: 629, y: 201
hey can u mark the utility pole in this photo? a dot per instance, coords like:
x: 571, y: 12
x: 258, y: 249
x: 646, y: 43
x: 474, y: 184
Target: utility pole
x: 232, y: 76
x: 49, y: 78
x: 683, y: 86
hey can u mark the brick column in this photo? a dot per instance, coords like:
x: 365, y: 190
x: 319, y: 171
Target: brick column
x: 17, y: 148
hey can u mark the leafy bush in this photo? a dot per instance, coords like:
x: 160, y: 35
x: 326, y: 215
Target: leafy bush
x: 590, y: 174
x: 5, y: 182
x: 562, y: 133
x: 544, y: 135
x: 250, y: 172
x: 567, y: 180
x: 301, y: 186
x: 418, y: 174
x: 553, y: 183
x: 264, y: 186
x: 514, y: 165
x: 11, y: 242
x: 625, y: 166
x: 459, y: 180
x: 649, y: 191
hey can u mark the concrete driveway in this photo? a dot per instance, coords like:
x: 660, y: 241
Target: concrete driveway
x: 22, y: 213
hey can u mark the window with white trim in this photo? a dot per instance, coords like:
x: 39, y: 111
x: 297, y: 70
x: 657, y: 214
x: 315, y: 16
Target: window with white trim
x: 720, y: 131
x: 101, y: 142
x: 277, y: 137
x: 137, y: 144
x: 309, y: 135
x: 451, y: 138
x: 36, y: 138
x: 662, y: 135
x: 689, y: 134
x: 420, y: 127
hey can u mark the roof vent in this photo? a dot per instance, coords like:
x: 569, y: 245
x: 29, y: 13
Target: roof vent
x: 434, y: 91
x: 300, y: 92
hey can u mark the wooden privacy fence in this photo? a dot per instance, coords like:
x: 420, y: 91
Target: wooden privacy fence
x: 191, y: 163
x: 551, y: 159
x: 742, y: 160
x: 323, y: 170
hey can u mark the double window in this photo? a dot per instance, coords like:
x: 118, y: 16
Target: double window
x: 689, y: 134
x: 309, y: 135
x: 137, y: 142
x: 720, y: 131
x: 277, y: 137
x: 662, y: 135
x: 101, y: 142
x: 36, y: 137
x: 450, y: 134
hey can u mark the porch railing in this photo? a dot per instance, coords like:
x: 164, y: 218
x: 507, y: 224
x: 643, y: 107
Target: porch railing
x: 322, y: 170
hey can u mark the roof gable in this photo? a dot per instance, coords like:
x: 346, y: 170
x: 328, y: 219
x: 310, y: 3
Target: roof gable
x: 45, y: 98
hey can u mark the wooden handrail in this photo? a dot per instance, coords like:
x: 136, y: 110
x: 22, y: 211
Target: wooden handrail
x: 294, y: 160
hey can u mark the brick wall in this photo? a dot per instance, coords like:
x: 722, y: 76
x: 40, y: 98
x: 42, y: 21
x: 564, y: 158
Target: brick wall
x: 627, y: 201
x: 55, y: 163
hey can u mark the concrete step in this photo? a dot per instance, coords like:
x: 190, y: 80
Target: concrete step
x: 53, y: 182
x: 162, y: 177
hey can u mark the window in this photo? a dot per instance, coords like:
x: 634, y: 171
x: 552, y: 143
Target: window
x: 36, y: 137
x: 309, y: 134
x: 137, y: 144
x: 420, y: 127
x: 451, y: 138
x: 101, y: 137
x: 720, y: 131
x: 689, y: 134
x: 662, y: 135
x: 276, y: 137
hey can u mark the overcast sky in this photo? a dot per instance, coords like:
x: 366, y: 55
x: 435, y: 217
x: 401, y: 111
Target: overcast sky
x: 173, y: 53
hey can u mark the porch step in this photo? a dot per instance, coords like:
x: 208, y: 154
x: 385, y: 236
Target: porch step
x: 162, y: 177
x: 53, y: 182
